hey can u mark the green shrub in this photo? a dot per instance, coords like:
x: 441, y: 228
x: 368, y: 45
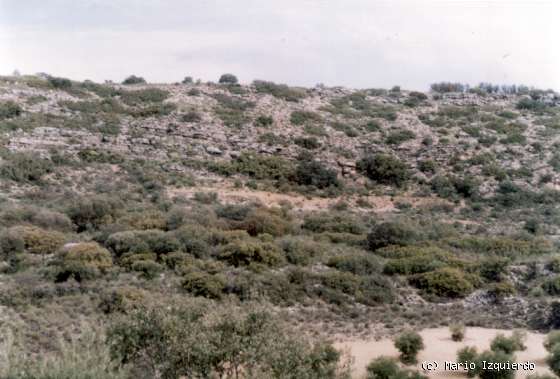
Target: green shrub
x: 409, y: 343
x: 412, y: 265
x: 300, y: 250
x: 457, y: 332
x: 228, y: 79
x: 143, y: 96
x: 143, y: 241
x: 443, y: 282
x: 552, y: 286
x: 280, y: 91
x: 384, y: 169
x: 314, y: 173
x: 336, y: 222
x: 261, y: 167
x: 468, y: 355
x: 499, y: 358
x: 391, y: 233
x: 244, y: 253
x: 388, y: 368
x: 9, y: 109
x: 201, y: 340
x: 552, y: 339
x: 90, y: 212
x: 203, y: 284
x: 508, y: 345
x: 264, y: 121
x: 304, y: 117
x: 149, y: 269
x: 358, y: 264
x: 83, y: 261
x: 265, y: 221
x: 133, y: 79
x: 310, y: 143
x: 25, y: 167
x: 427, y: 166
x: 59, y: 83
x: 400, y: 136
x: 39, y: 241
x: 191, y: 116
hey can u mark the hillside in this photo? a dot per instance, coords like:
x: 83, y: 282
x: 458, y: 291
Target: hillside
x: 344, y: 213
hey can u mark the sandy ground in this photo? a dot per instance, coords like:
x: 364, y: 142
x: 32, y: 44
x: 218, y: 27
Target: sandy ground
x: 299, y: 202
x: 440, y: 348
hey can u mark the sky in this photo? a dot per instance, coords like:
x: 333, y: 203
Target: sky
x: 352, y: 43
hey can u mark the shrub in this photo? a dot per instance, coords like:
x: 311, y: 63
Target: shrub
x: 187, y: 80
x: 203, y: 284
x: 304, y: 117
x: 264, y: 121
x: 9, y: 109
x: 90, y: 212
x: 39, y: 241
x: 314, y: 173
x: 400, y: 136
x: 412, y: 265
x: 508, y: 345
x: 244, y: 253
x: 280, y: 91
x: 25, y: 167
x: 384, y: 169
x: 388, y: 368
x: 310, y: 143
x: 60, y: 83
x: 409, y: 343
x: 444, y: 282
x: 149, y: 269
x: 200, y: 340
x: 499, y: 358
x: 261, y: 167
x: 358, y: 264
x: 299, y: 250
x: 552, y: 286
x: 133, y: 79
x: 228, y: 79
x: 391, y: 233
x: 552, y: 339
x: 83, y: 261
x: 468, y: 355
x: 265, y: 221
x: 142, y: 241
x: 336, y: 222
x: 191, y: 116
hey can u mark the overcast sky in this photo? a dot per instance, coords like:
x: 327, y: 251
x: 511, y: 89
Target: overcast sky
x: 355, y: 43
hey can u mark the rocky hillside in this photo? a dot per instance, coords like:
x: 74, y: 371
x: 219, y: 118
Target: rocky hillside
x: 346, y: 211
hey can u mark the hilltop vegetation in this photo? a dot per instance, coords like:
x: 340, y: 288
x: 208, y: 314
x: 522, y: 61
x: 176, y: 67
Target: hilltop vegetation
x: 355, y: 212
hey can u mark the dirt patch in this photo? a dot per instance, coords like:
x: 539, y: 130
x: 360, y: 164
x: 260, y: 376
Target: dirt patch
x: 299, y: 202
x: 440, y: 348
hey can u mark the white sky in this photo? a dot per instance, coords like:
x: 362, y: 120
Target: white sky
x: 355, y: 43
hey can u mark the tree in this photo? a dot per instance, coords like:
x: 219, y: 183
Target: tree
x: 391, y: 233
x: 314, y: 173
x: 498, y: 357
x: 187, y: 80
x: 384, y: 169
x: 133, y: 79
x: 409, y: 343
x: 228, y: 79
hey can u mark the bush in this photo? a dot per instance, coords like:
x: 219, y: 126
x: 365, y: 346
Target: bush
x: 391, y: 233
x: 187, y: 80
x: 133, y: 79
x: 39, y: 241
x: 280, y: 91
x: 468, y: 355
x: 384, y: 169
x: 203, y: 284
x: 90, y: 212
x: 304, y: 117
x: 388, y: 368
x: 82, y: 261
x: 310, y: 143
x: 245, y: 253
x: 358, y: 264
x: 149, y: 269
x: 409, y: 343
x: 508, y: 345
x: 500, y: 358
x: 457, y: 332
x: 400, y: 136
x: 60, y: 83
x: 336, y: 222
x: 201, y: 340
x: 264, y: 121
x: 552, y: 286
x: 314, y: 173
x: 25, y: 167
x: 9, y: 109
x: 228, y: 79
x: 444, y: 282
x: 552, y: 339
x: 265, y: 221
x: 191, y: 116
